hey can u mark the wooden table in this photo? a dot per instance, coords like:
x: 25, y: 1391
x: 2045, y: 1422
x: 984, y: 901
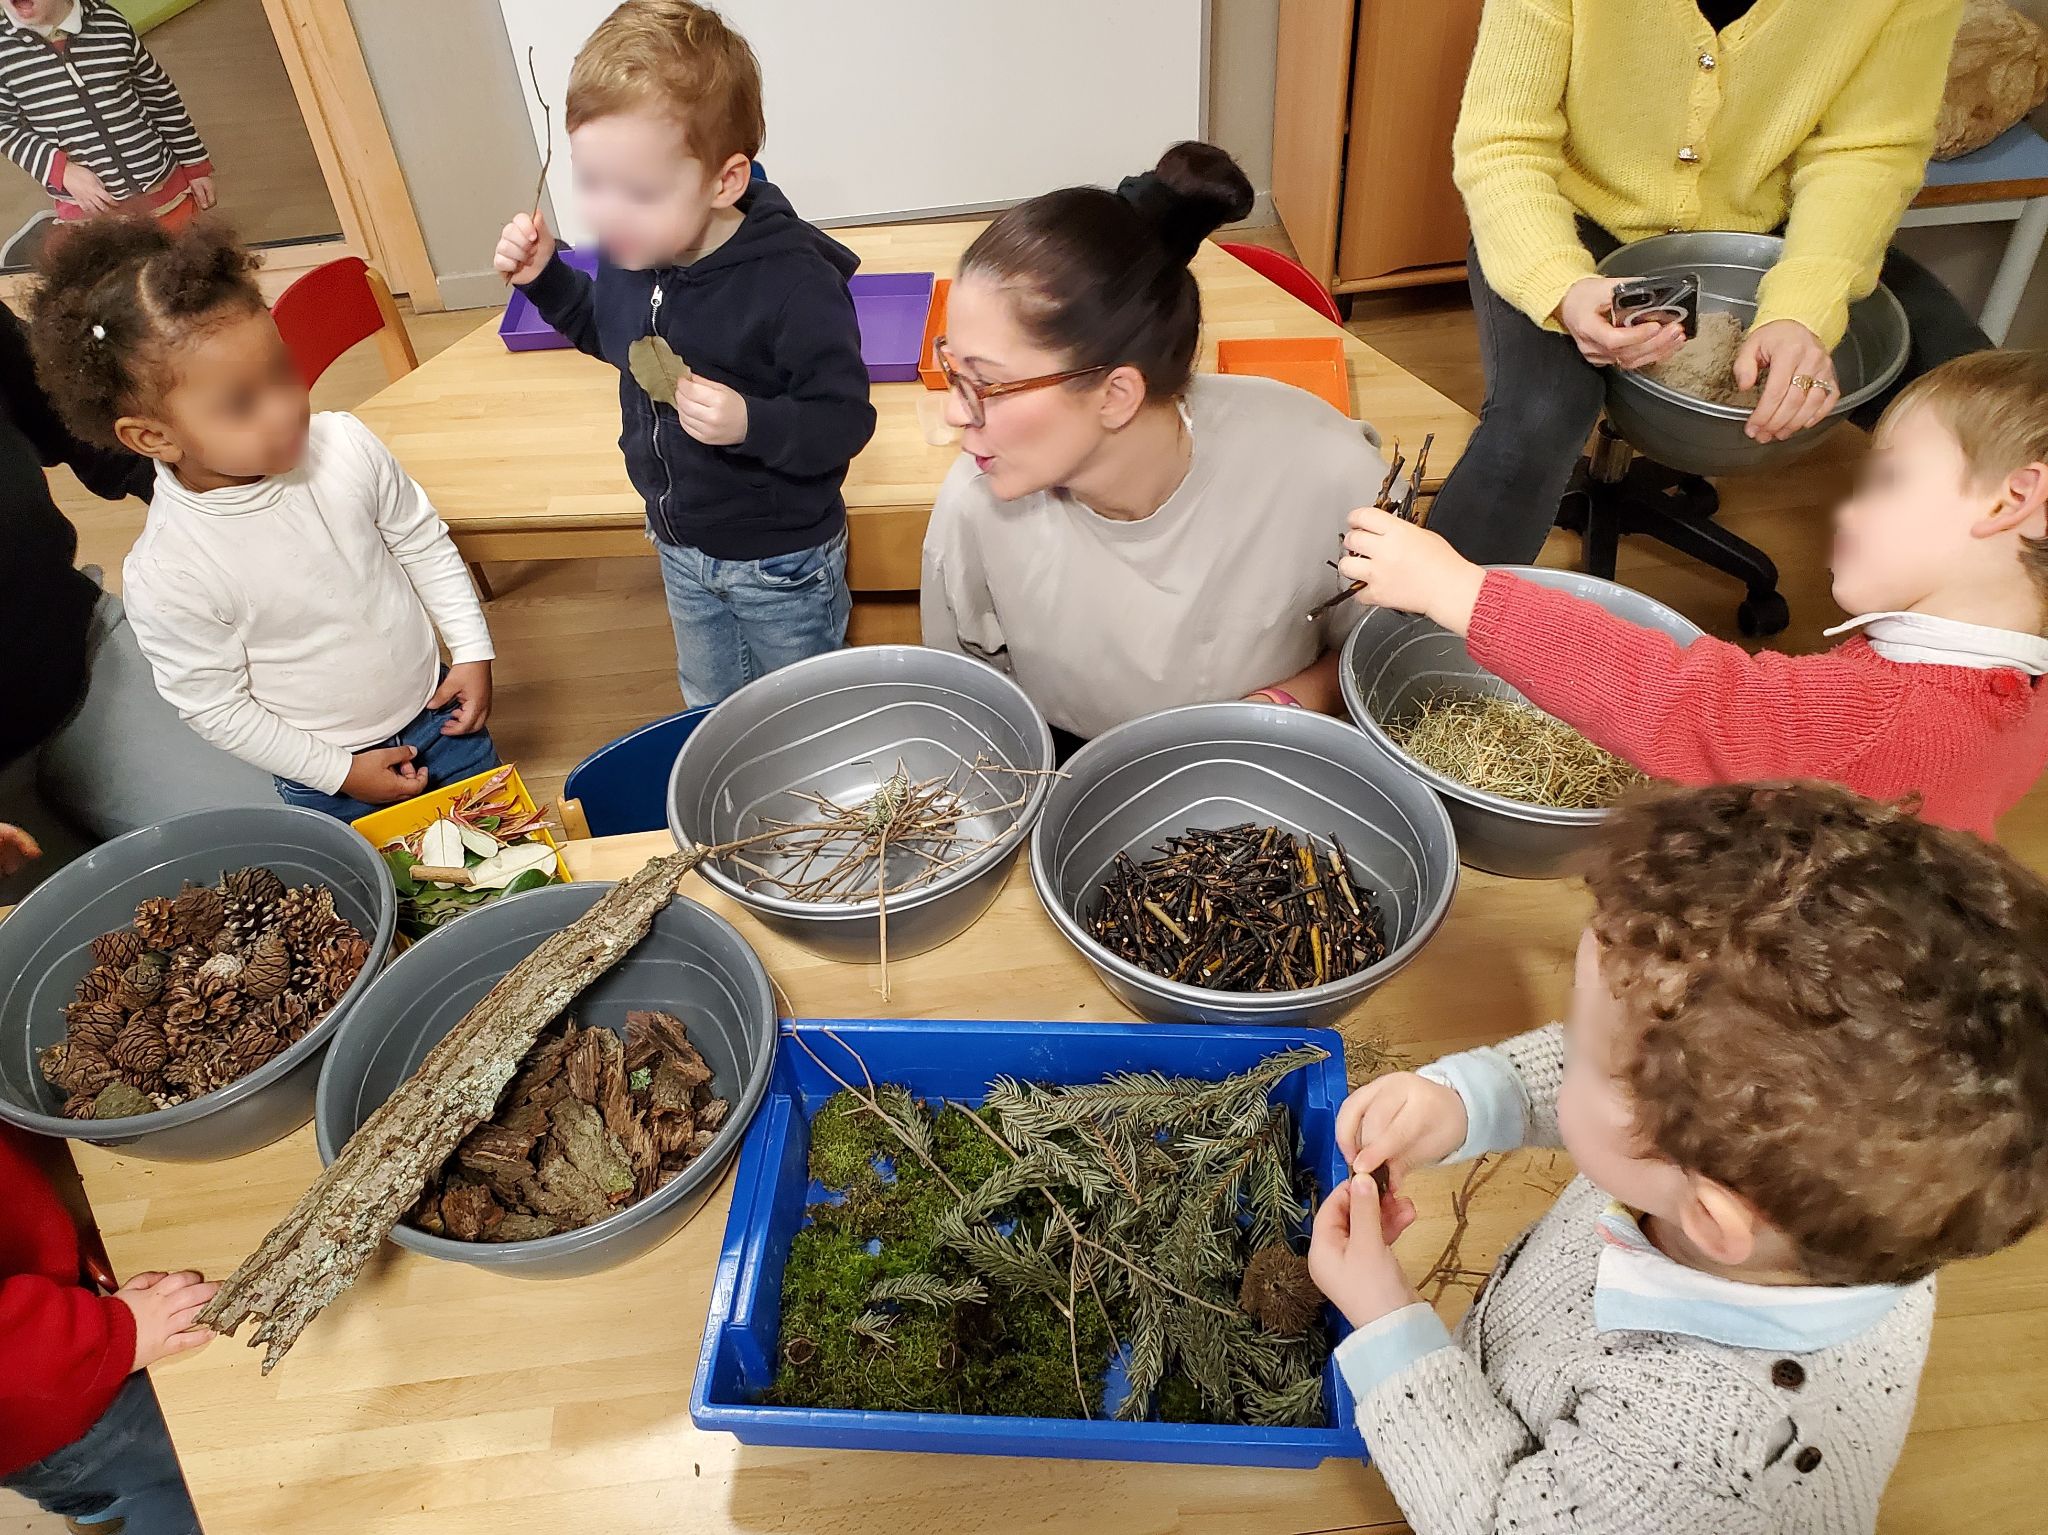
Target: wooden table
x: 438, y: 1398
x: 519, y: 451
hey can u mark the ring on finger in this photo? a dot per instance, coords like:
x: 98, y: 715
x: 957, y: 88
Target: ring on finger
x: 1801, y: 381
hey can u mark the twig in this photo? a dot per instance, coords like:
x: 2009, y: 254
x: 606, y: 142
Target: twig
x: 1382, y: 501
x: 1449, y: 1267
x: 547, y: 127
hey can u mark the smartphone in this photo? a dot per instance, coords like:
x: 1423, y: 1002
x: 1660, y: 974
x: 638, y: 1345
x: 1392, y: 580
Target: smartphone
x: 1669, y: 296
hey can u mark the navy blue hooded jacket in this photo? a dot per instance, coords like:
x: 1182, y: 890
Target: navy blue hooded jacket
x: 767, y: 314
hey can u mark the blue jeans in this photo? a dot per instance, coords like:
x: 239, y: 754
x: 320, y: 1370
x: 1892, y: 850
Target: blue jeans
x: 736, y: 620
x: 122, y: 1468
x: 447, y: 759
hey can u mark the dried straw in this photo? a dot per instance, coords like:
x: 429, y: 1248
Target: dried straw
x: 1505, y: 747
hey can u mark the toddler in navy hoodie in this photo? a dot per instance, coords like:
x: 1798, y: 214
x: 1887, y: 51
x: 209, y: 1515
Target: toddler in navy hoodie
x: 741, y: 470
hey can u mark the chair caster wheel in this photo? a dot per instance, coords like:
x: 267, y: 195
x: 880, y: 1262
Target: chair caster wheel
x: 1763, y: 614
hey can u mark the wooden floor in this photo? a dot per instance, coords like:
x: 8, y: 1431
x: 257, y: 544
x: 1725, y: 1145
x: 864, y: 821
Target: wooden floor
x: 584, y: 654
x: 225, y: 62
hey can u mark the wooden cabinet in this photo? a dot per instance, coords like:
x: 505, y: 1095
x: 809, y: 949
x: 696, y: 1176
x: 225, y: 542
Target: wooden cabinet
x: 1365, y: 101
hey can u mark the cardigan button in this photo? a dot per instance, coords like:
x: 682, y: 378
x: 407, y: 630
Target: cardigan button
x: 1808, y: 1459
x: 1688, y: 156
x: 1707, y: 62
x: 1788, y: 1375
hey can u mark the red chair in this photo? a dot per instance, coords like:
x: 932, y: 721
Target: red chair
x: 1290, y: 276
x: 332, y: 308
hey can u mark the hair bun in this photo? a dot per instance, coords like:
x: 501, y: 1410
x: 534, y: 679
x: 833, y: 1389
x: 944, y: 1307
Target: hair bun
x: 1194, y: 190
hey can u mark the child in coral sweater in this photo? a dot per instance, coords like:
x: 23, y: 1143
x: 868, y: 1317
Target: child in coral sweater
x: 1941, y: 555
x: 80, y: 1432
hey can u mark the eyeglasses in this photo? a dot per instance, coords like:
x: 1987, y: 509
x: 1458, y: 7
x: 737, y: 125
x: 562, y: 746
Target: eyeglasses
x: 974, y: 397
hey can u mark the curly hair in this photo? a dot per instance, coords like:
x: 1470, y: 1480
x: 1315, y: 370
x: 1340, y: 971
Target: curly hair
x: 118, y: 295
x: 676, y: 57
x: 1837, y: 1011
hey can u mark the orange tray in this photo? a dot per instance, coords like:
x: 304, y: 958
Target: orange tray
x: 1314, y: 363
x: 934, y: 327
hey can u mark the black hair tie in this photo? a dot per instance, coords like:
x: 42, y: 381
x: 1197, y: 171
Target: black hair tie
x: 1177, y: 219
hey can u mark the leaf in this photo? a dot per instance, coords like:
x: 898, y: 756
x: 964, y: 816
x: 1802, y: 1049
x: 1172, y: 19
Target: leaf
x: 531, y: 879
x: 400, y: 863
x: 656, y: 369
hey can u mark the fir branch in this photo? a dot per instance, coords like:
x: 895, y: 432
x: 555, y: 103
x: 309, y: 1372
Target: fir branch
x: 1297, y: 1406
x: 1011, y: 1260
x: 874, y: 1326
x: 1145, y: 1367
x: 928, y: 1290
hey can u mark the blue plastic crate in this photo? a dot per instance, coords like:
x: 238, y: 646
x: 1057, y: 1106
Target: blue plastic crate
x: 957, y: 1060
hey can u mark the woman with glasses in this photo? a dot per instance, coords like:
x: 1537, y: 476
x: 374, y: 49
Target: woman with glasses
x: 1120, y: 536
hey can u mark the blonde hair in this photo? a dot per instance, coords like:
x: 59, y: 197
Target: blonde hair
x: 677, y: 58
x: 1995, y: 405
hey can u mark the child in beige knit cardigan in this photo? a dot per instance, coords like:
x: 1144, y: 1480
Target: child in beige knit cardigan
x: 1805, y: 1065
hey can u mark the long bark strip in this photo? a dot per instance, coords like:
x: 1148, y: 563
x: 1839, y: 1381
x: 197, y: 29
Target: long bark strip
x: 317, y: 1251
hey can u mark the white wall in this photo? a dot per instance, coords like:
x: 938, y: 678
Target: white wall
x: 1244, y: 47
x: 892, y: 108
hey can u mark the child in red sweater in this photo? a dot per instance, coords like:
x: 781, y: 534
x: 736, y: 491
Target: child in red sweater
x: 80, y: 1432
x: 1941, y: 554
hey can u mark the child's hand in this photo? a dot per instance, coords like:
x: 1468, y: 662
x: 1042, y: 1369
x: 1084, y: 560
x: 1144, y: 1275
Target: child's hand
x: 713, y: 414
x: 86, y: 189
x: 1410, y: 568
x: 1400, y: 1121
x: 469, y: 685
x: 1349, y: 1251
x: 165, y: 1306
x: 17, y: 848
x: 384, y: 776
x: 203, y: 193
x: 524, y: 248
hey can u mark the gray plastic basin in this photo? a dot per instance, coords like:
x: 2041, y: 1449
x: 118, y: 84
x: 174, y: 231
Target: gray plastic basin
x: 693, y: 964
x: 1210, y: 766
x: 1700, y: 437
x: 1393, y: 661
x: 45, y: 950
x: 838, y: 725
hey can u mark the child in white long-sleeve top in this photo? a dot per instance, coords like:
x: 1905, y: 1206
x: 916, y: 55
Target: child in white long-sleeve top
x: 290, y: 581
x: 1805, y: 1065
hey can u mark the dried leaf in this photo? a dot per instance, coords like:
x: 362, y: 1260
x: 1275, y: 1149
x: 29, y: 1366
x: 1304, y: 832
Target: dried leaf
x: 657, y: 369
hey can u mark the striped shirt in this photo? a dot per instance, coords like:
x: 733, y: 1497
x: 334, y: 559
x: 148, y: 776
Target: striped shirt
x: 98, y: 98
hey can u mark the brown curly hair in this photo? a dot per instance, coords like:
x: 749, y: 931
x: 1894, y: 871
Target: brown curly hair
x: 117, y: 296
x: 1837, y: 1011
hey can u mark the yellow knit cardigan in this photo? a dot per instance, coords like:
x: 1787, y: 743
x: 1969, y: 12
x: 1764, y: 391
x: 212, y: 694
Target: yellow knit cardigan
x: 1637, y: 114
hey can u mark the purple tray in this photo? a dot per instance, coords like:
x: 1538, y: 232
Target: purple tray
x: 523, y: 330
x: 892, y: 308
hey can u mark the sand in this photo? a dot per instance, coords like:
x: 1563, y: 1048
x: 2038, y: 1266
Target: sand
x: 1705, y: 366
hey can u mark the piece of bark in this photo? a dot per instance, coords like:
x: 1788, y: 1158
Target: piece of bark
x: 495, y: 1150
x: 317, y: 1250
x: 469, y: 1212
x: 585, y: 1063
x: 711, y: 1114
x: 565, y: 1191
x: 580, y: 1135
x: 518, y: 1227
x: 670, y: 1090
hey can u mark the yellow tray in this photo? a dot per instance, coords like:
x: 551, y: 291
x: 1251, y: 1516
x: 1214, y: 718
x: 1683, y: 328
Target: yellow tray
x: 386, y: 826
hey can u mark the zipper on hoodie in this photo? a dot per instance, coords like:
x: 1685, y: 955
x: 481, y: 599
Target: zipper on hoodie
x: 654, y: 426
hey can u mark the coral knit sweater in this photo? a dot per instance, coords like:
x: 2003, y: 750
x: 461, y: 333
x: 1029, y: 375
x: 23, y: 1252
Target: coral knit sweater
x: 64, y: 1349
x: 1969, y: 742
x: 1813, y: 114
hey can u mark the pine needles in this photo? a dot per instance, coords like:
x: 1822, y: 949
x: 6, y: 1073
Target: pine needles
x: 1506, y: 747
x: 1052, y: 1231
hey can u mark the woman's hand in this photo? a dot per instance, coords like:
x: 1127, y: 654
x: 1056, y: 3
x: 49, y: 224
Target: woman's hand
x: 1398, y: 565
x: 1798, y: 374
x: 17, y: 848
x: 1350, y: 1253
x: 1586, y: 312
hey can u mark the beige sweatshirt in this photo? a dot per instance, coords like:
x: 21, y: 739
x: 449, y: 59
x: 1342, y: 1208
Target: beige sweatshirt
x: 1101, y: 621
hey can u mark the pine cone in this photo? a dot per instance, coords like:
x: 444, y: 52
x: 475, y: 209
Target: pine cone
x: 1278, y: 1293
x: 307, y: 918
x: 118, y: 950
x: 156, y: 922
x: 202, y: 1003
x: 97, y: 1024
x: 226, y: 967
x: 231, y: 938
x: 140, y: 1054
x: 202, y: 1069
x: 75, y: 1068
x: 335, y: 967
x: 255, y: 885
x: 199, y: 912
x: 100, y: 981
x: 252, y: 1043
x: 141, y: 982
x: 269, y: 968
x: 289, y: 1016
